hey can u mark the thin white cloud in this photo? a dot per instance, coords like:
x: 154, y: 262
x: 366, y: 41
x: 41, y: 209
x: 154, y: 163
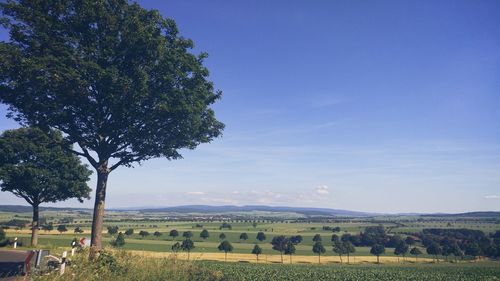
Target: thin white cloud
x: 322, y: 190
x: 492, y: 196
x: 196, y: 193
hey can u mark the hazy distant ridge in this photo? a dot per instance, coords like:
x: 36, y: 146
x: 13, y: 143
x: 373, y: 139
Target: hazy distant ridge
x: 249, y: 208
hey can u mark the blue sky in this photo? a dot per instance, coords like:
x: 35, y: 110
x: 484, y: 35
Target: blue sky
x: 386, y: 106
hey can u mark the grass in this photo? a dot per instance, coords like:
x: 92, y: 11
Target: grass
x: 124, y: 266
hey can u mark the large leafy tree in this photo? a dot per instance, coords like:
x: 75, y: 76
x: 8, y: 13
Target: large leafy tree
x: 39, y: 168
x: 116, y: 79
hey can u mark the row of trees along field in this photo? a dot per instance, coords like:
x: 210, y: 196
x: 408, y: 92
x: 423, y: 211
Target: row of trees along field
x: 112, y: 78
x: 437, y: 242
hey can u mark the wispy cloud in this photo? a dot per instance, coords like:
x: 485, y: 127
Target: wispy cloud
x: 322, y: 190
x: 196, y: 193
x: 492, y: 196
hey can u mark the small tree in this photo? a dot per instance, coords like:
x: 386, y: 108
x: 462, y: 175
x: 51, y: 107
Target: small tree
x: 39, y: 167
x: 416, y: 252
x: 243, y: 236
x: 261, y: 236
x: 143, y: 233
x: 257, y: 250
x: 254, y: 224
x: 226, y: 247
x: 289, y: 249
x: 157, y: 234
x: 48, y: 227
x: 317, y: 238
x: 187, y: 245
x: 129, y: 232
x: 61, y: 228
x: 176, y: 248
x: 377, y: 250
x: 335, y: 238
x: 434, y: 249
x: 2, y: 234
x: 204, y: 234
x: 173, y: 233
x: 279, y: 244
x: 339, y: 249
x: 349, y: 249
x: 78, y: 230
x: 187, y: 234
x: 473, y: 250
x: 112, y: 230
x: 297, y: 239
x: 119, y: 241
x: 401, y: 249
x: 410, y: 241
x: 222, y: 236
x: 318, y: 249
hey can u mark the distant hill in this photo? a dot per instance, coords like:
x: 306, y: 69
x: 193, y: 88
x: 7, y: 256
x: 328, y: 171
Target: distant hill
x: 24, y: 209
x: 467, y: 215
x: 259, y: 208
x: 205, y: 209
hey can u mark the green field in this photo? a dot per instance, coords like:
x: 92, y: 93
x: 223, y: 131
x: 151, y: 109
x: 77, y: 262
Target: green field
x: 264, y: 272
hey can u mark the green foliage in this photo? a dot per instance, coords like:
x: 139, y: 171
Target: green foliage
x: 39, y: 167
x: 187, y: 234
x: 119, y: 265
x: 225, y: 246
x: 243, y: 236
x: 157, y: 234
x: 81, y: 67
x: 434, y: 249
x: 176, y: 247
x: 62, y: 228
x: 257, y: 250
x: 318, y: 248
x: 2, y: 234
x: 261, y: 236
x: 222, y: 236
x: 173, y: 233
x: 279, y: 272
x: 187, y: 245
x: 143, y: 233
x: 129, y: 231
x: 119, y: 241
x: 116, y: 79
x: 377, y: 250
x: 204, y: 234
x: 112, y: 230
x: 415, y: 251
x: 48, y: 227
x: 401, y: 249
x: 317, y: 238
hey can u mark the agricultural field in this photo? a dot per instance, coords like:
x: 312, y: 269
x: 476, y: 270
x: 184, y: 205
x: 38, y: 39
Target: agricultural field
x: 468, y: 272
x: 207, y: 248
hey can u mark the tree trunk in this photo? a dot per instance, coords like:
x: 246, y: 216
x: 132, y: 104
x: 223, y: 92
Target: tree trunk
x: 348, y: 261
x: 319, y: 258
x: 34, y: 226
x: 225, y: 256
x: 98, y: 219
x: 290, y: 259
x: 378, y: 261
x: 281, y: 253
x: 340, y: 259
